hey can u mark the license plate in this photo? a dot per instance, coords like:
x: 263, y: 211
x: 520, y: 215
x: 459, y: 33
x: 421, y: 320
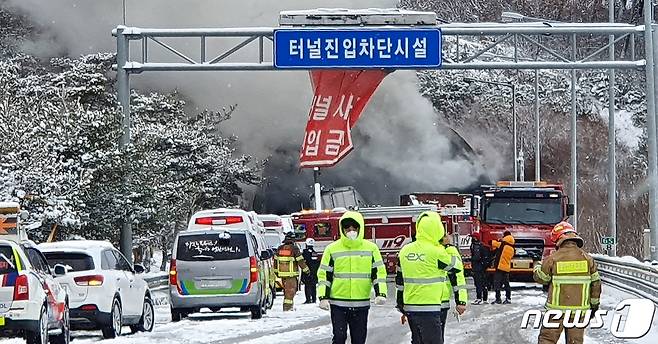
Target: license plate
x: 2, y: 321
x: 521, y: 264
x: 213, y: 284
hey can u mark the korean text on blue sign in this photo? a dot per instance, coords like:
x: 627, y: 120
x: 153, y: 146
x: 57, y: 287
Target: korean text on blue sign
x: 357, y: 48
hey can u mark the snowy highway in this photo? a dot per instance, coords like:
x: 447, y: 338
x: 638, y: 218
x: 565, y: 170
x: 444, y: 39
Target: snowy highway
x: 309, y: 324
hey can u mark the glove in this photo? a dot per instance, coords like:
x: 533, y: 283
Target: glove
x: 460, y: 309
x: 403, y: 319
x: 324, y: 304
x: 380, y: 300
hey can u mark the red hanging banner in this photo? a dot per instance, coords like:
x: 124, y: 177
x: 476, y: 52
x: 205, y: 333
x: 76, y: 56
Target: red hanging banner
x: 339, y: 98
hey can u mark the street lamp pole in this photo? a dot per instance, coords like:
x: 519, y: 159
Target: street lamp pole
x: 514, y: 129
x: 514, y: 120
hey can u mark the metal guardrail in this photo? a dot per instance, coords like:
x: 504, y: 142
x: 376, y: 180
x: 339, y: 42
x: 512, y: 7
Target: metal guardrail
x: 157, y: 282
x: 637, y: 279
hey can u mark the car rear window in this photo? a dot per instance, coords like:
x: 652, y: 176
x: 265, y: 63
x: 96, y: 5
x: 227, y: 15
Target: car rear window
x: 7, y: 260
x: 72, y: 261
x: 203, y: 247
x: 272, y: 240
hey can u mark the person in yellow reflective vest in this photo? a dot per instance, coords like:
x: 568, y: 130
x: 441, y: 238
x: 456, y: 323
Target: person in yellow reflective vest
x: 349, y: 268
x: 455, y: 286
x: 574, y: 284
x: 287, y: 261
x: 423, y: 271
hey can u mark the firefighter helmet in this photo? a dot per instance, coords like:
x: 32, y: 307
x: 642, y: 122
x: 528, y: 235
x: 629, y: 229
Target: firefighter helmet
x: 310, y: 242
x: 290, y: 235
x: 476, y: 235
x: 564, y: 231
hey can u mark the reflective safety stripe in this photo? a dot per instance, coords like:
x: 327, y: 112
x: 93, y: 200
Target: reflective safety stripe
x: 553, y: 306
x: 17, y: 258
x: 288, y: 302
x: 425, y: 280
x: 377, y: 264
x: 445, y: 305
x: 341, y: 303
x: 399, y: 287
x: 284, y: 259
x: 453, y: 263
x: 326, y: 268
x: 325, y: 283
x: 595, y: 301
x: 307, y: 270
x: 596, y: 277
x: 572, y: 279
x: 428, y: 308
x: 335, y: 255
x: 299, y: 258
x: 458, y: 287
x: 351, y: 275
x: 379, y: 280
x: 288, y: 274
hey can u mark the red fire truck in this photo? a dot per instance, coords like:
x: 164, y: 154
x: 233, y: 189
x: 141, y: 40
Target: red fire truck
x: 529, y: 210
x: 388, y: 227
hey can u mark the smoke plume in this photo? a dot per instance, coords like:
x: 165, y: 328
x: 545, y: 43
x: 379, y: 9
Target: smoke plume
x: 400, y: 144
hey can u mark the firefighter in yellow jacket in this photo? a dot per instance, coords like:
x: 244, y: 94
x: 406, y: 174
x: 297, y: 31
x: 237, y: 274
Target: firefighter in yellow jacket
x: 287, y: 261
x: 574, y: 283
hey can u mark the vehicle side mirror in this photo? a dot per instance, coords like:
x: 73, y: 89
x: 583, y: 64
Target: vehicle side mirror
x: 475, y: 206
x: 570, y: 210
x: 265, y: 255
x: 60, y: 270
x: 139, y: 268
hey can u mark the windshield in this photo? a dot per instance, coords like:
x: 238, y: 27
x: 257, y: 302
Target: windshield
x: 200, y: 247
x: 523, y: 211
x: 72, y: 261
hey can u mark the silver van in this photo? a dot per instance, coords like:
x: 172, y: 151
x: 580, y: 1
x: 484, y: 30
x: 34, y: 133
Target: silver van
x: 219, y: 268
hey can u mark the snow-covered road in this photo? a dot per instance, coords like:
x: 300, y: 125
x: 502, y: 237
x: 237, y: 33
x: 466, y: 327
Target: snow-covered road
x: 309, y: 324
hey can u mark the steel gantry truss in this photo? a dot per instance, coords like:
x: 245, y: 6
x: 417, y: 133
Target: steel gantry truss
x: 254, y: 52
x: 263, y: 37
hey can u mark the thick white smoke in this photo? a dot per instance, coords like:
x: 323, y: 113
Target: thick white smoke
x: 272, y: 106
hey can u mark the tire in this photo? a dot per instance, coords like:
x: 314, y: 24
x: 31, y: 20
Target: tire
x: 147, y: 321
x: 40, y: 336
x: 114, y: 330
x: 270, y: 304
x: 176, y: 315
x: 256, y: 312
x: 65, y: 336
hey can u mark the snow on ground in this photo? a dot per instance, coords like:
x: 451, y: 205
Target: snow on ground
x: 481, y: 324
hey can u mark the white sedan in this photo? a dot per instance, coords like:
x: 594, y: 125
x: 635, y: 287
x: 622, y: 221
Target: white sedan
x: 105, y: 291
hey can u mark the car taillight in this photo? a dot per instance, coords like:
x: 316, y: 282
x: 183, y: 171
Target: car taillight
x: 89, y: 308
x: 173, y: 274
x: 21, y: 288
x: 253, y: 272
x: 218, y: 220
x: 89, y: 281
